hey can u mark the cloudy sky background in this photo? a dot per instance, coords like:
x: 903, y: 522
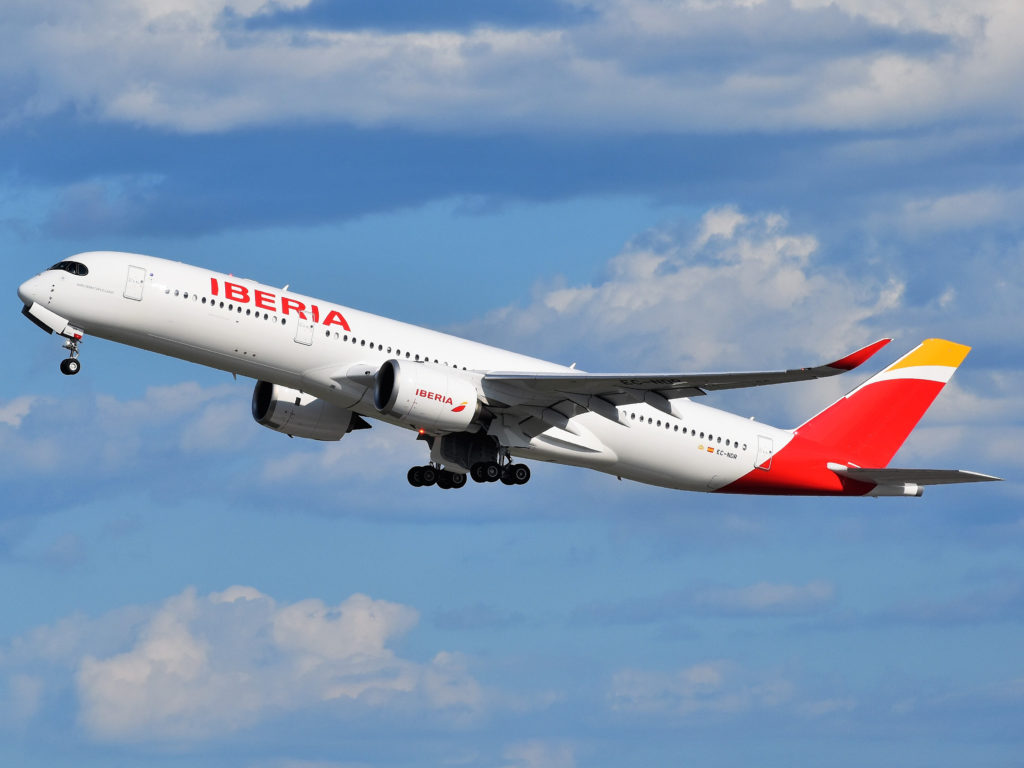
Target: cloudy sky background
x: 627, y: 184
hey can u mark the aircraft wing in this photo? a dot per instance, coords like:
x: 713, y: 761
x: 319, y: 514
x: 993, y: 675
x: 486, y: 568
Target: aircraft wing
x: 545, y: 388
x: 894, y: 476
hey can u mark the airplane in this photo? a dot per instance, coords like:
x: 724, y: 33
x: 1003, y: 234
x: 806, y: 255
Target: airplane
x: 323, y: 369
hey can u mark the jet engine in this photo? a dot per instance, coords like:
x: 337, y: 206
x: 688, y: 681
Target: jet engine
x: 300, y: 415
x: 427, y: 397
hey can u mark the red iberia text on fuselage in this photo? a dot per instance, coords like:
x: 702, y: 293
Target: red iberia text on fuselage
x: 261, y: 299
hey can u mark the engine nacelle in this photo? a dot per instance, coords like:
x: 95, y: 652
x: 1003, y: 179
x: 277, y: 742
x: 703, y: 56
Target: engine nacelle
x: 300, y: 415
x: 437, y: 400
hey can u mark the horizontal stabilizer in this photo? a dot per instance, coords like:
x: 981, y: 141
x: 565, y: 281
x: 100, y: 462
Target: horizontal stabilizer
x: 894, y: 476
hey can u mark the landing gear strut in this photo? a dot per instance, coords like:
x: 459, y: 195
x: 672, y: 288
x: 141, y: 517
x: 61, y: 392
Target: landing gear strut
x: 70, y: 365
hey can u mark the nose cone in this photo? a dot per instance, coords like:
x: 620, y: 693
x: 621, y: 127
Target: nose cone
x: 29, y: 291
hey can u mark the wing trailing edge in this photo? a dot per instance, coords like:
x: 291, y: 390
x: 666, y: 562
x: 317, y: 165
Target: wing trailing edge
x: 525, y: 387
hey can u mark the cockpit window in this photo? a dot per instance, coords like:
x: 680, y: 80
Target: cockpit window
x: 74, y: 267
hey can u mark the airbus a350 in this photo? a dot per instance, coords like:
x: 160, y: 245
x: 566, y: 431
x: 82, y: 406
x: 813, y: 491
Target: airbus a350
x: 323, y: 370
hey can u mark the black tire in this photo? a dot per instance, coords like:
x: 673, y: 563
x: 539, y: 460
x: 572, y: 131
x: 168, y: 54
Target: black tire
x: 70, y: 366
x: 507, y: 476
x: 479, y: 472
x: 458, y: 479
x: 415, y: 477
x: 429, y: 475
x: 492, y: 471
x: 444, y: 480
x: 521, y: 474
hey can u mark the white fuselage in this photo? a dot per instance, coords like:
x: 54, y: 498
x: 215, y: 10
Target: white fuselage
x: 328, y: 350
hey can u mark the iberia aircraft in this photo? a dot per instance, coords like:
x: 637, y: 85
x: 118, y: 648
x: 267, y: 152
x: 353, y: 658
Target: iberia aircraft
x: 322, y: 369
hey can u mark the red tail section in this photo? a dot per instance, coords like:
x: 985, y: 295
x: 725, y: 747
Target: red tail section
x: 866, y: 427
x: 863, y: 429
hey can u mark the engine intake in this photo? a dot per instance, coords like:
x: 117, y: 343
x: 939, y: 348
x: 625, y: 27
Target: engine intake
x: 300, y: 415
x: 426, y: 397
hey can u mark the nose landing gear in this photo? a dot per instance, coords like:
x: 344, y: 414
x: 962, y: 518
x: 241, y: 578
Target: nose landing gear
x: 70, y: 365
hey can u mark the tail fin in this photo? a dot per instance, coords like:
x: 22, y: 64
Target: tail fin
x: 868, y: 426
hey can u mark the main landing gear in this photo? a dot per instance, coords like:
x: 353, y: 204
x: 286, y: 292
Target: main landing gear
x: 430, y: 475
x: 481, y: 472
x: 509, y: 474
x: 70, y: 366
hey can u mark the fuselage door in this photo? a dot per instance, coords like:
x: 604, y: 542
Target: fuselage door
x: 304, y: 332
x: 133, y: 286
x: 764, y: 453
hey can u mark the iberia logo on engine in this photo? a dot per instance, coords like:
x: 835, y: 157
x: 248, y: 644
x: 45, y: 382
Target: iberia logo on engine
x: 436, y: 396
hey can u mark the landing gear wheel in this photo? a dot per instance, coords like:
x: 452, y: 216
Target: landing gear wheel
x: 506, y: 475
x: 444, y: 480
x: 429, y: 475
x: 458, y: 480
x: 492, y: 471
x: 70, y: 366
x: 415, y: 477
x: 478, y: 472
x: 520, y: 474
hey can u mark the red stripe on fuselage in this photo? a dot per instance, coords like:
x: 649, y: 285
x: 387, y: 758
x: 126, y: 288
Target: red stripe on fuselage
x: 799, y: 469
x: 864, y: 429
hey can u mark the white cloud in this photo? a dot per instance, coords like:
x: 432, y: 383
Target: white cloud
x: 767, y: 598
x: 539, y: 754
x: 119, y: 434
x: 637, y: 65
x: 962, y: 210
x: 199, y: 667
x: 743, y: 292
x: 711, y: 687
x: 14, y: 411
x: 381, y: 452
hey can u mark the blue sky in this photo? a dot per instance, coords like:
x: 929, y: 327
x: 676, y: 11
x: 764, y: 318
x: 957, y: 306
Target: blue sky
x: 625, y: 184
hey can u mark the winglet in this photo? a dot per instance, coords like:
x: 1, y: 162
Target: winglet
x: 855, y: 359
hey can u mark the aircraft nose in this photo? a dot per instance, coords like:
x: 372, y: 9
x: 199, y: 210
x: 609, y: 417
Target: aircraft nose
x: 28, y: 291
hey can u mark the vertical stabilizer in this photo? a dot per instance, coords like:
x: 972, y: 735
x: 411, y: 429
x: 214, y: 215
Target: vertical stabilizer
x: 867, y: 426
